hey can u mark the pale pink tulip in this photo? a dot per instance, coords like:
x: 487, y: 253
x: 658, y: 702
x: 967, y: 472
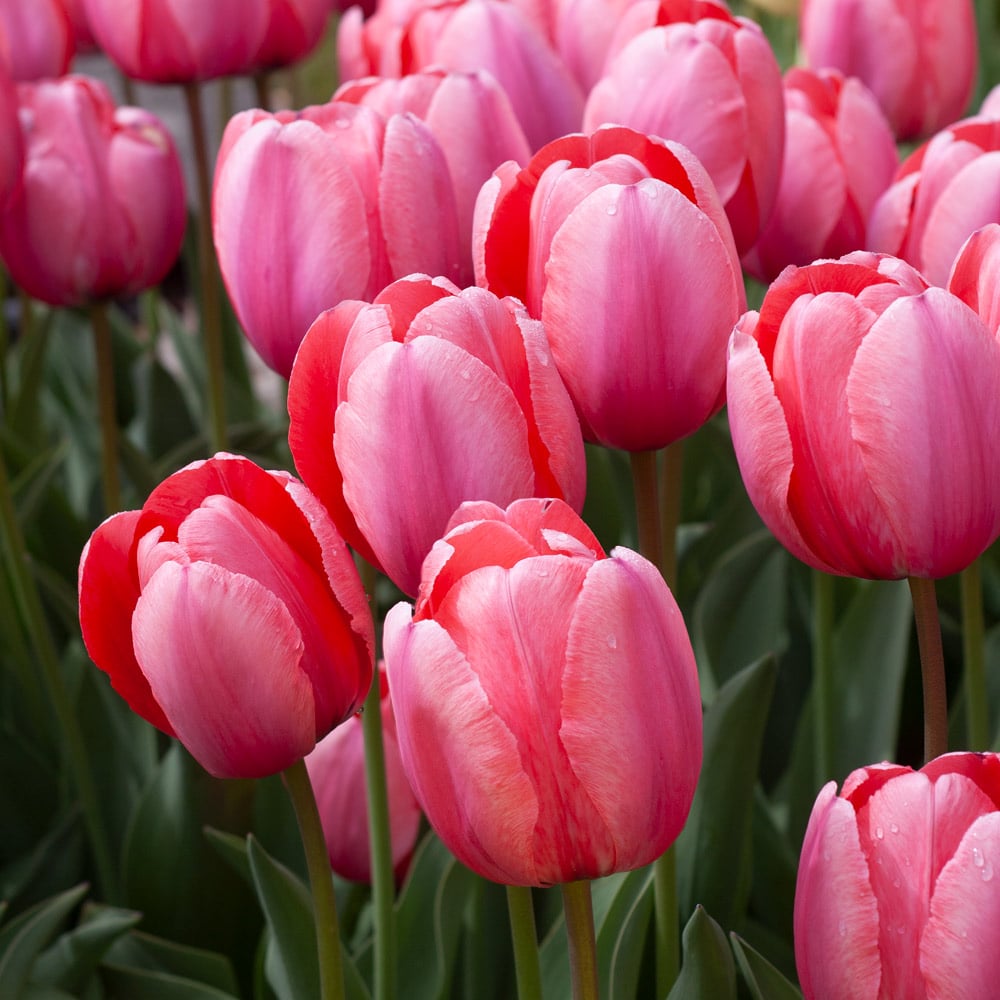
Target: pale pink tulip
x: 402, y: 409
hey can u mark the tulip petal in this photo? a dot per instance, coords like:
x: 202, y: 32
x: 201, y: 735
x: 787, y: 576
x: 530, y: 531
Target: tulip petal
x: 975, y: 278
x: 222, y: 655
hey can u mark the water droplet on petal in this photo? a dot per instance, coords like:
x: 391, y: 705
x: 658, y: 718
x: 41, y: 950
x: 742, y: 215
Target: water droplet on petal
x: 894, y: 828
x: 977, y: 857
x: 879, y: 832
x: 612, y: 209
x: 612, y: 642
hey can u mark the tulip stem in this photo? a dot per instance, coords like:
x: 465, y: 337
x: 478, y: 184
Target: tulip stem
x: 211, y: 306
x: 262, y: 90
x: 974, y: 655
x: 527, y: 966
x: 383, y: 877
x: 647, y: 505
x: 671, y: 485
x: 822, y: 661
x: 579, y: 911
x: 300, y: 791
x: 107, y: 413
x: 925, y: 613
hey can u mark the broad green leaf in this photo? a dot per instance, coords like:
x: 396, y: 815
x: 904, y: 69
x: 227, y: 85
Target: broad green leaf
x: 763, y: 979
x: 714, y: 851
x: 145, y: 984
x: 707, y: 968
x: 22, y: 940
x: 622, y: 936
x: 146, y: 953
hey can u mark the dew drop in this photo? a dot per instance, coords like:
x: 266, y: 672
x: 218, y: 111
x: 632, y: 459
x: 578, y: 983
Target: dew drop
x: 612, y: 642
x: 879, y: 832
x: 987, y: 873
x: 466, y: 374
x: 343, y: 123
x: 977, y: 857
x: 894, y: 828
x: 612, y: 209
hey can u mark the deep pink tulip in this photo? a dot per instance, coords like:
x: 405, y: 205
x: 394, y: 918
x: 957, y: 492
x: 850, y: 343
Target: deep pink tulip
x: 402, y: 409
x: 942, y: 193
x: 690, y: 71
x: 337, y: 772
x: 99, y: 210
x: 466, y: 36
x: 619, y: 243
x: 38, y: 38
x: 546, y: 698
x: 327, y: 204
x: 11, y: 145
x: 975, y: 278
x: 228, y: 613
x: 897, y: 893
x: 470, y: 116
x: 840, y: 156
x: 864, y: 412
x: 83, y: 37
x: 293, y: 31
x: 917, y: 58
x: 180, y: 41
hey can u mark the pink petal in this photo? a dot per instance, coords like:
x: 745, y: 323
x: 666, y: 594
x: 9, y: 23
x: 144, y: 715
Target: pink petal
x: 975, y: 277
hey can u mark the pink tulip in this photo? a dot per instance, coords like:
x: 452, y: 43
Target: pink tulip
x: 840, y: 155
x: 975, y: 278
x: 584, y: 31
x: 337, y: 772
x: 941, y: 194
x: 402, y: 409
x: 618, y: 242
x: 470, y: 116
x: 546, y: 698
x: 228, y: 613
x: 688, y: 70
x: 917, y: 58
x: 466, y: 36
x: 864, y: 413
x: 12, y: 146
x: 896, y: 894
x: 99, y: 210
x: 38, y: 37
x: 293, y: 31
x: 180, y: 41
x: 327, y: 204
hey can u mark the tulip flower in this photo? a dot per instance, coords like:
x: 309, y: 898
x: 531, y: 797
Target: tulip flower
x: 717, y: 91
x: 619, y: 243
x: 37, y: 38
x: 12, y: 148
x: 546, y: 698
x: 83, y: 37
x: 228, y: 613
x: 864, y: 413
x: 896, y: 894
x: 918, y: 59
x: 429, y: 396
x: 942, y: 193
x: 180, y: 41
x: 294, y: 28
x: 466, y: 36
x: 975, y: 278
x: 99, y: 210
x: 337, y: 772
x: 324, y: 205
x: 840, y: 155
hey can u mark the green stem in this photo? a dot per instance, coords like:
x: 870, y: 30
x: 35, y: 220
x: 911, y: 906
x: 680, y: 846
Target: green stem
x: 647, y: 505
x: 383, y: 877
x: 331, y: 971
x: 211, y: 306
x: 32, y: 614
x: 262, y: 90
x: 522, y: 929
x: 671, y: 483
x: 925, y: 613
x: 579, y: 912
x: 107, y: 414
x: 823, y: 700
x: 974, y: 655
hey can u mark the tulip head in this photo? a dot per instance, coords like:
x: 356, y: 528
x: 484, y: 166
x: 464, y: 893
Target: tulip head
x: 546, y: 698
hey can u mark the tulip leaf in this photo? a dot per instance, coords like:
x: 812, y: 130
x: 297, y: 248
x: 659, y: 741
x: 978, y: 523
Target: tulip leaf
x: 707, y: 969
x: 22, y: 940
x: 763, y: 979
x: 147, y: 984
x: 714, y: 851
x: 621, y: 938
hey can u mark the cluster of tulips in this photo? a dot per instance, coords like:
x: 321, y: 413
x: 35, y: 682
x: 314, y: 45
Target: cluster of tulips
x: 516, y: 233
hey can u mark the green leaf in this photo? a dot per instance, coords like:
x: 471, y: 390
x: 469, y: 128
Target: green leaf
x: 714, y: 851
x: 147, y: 953
x: 622, y: 935
x: 144, y: 984
x: 22, y: 940
x: 764, y: 980
x: 707, y: 969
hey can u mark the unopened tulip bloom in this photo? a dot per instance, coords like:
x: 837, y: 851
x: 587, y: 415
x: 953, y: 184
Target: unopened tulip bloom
x: 897, y: 893
x: 293, y: 30
x: 942, y: 193
x: 99, y: 210
x: 864, y: 413
x: 228, y: 612
x: 337, y: 773
x: 619, y: 243
x: 37, y: 38
x: 918, y: 59
x: 331, y: 203
x: 429, y: 396
x: 180, y: 41
x: 690, y: 71
x: 546, y: 698
x: 840, y: 155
